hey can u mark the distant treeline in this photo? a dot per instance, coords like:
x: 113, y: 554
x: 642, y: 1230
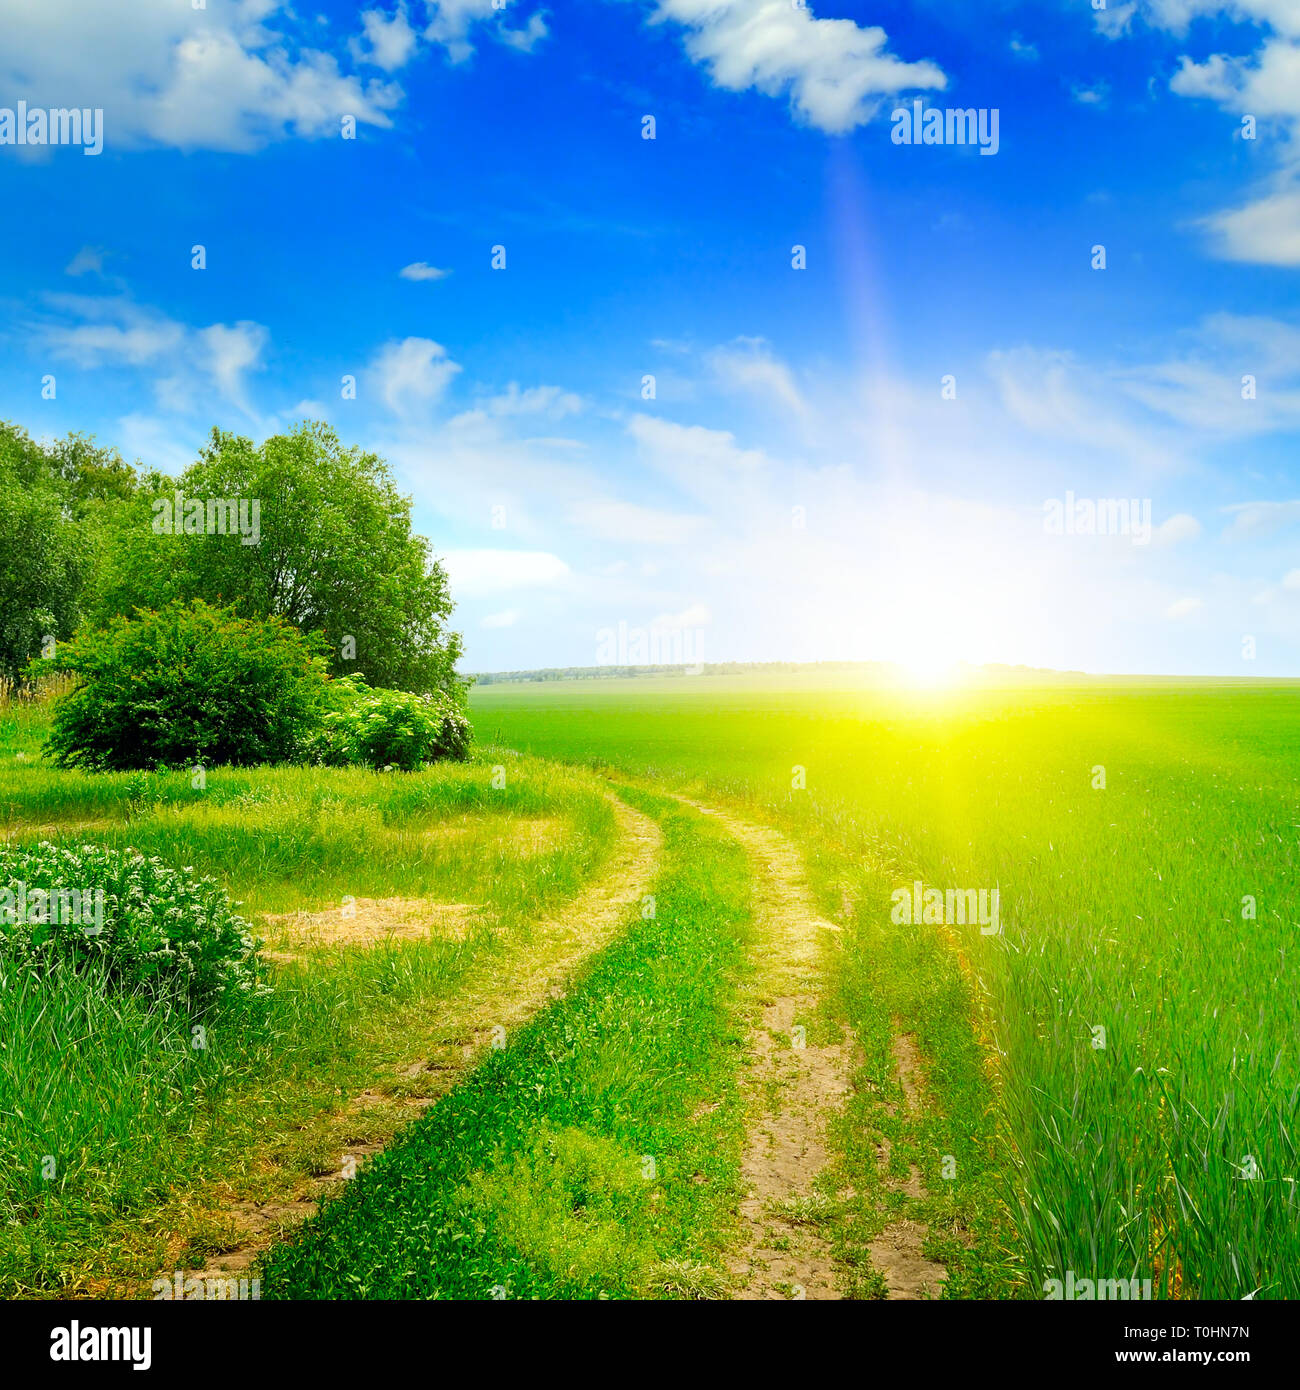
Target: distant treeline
x: 715, y: 668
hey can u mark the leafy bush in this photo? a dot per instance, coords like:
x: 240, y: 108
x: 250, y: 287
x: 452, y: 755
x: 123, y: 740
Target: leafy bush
x: 187, y: 684
x: 155, y: 927
x: 390, y: 728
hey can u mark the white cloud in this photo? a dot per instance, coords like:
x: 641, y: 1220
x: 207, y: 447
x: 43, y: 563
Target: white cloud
x: 111, y: 331
x: 488, y: 573
x: 390, y: 41
x: 748, y: 365
x: 1027, y: 51
x: 536, y: 400
x: 695, y: 616
x: 835, y: 71
x: 422, y: 270
x: 690, y: 447
x: 452, y: 21
x: 1054, y: 394
x: 155, y: 443
x: 89, y: 260
x: 1180, y: 527
x: 1115, y: 20
x: 1096, y: 95
x: 231, y: 350
x: 1204, y: 388
x: 508, y: 618
x: 1184, y: 608
x: 412, y: 374
x: 167, y: 74
x: 527, y: 38
x: 631, y: 524
x: 1265, y: 231
x: 1291, y: 580
x: 1252, y: 519
x: 114, y: 331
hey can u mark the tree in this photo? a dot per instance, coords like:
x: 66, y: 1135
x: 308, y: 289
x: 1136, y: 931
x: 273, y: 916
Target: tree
x: 54, y: 503
x: 43, y: 564
x: 333, y: 553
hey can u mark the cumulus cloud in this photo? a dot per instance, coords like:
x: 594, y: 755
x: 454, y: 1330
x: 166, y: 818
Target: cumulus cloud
x: 451, y: 23
x: 1262, y: 231
x: 412, y: 374
x: 231, y: 350
x: 834, y: 71
x: 1265, y: 86
x: 232, y: 76
x: 388, y: 41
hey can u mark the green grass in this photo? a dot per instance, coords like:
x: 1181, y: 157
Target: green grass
x: 597, y: 1155
x: 1122, y: 910
x: 109, y: 1114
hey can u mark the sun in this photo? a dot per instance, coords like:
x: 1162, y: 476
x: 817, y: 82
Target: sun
x: 929, y: 672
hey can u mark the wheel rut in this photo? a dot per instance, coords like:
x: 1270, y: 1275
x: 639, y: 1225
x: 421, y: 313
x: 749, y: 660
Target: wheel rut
x: 795, y: 1082
x: 504, y: 993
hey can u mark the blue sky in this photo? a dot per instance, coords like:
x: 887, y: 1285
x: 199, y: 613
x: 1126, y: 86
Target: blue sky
x: 799, y: 486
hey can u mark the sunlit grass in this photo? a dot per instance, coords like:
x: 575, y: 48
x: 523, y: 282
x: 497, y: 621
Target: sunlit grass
x: 108, y: 1109
x: 1126, y: 908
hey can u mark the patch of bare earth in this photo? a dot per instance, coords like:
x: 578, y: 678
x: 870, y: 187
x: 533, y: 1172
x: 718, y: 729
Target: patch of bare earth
x: 366, y: 922
x: 896, y: 1251
x: 502, y: 993
x: 792, y: 1086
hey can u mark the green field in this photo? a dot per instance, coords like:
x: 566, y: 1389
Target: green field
x: 1160, y: 909
x: 1104, y: 1089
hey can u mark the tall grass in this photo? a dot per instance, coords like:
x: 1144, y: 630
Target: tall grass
x: 107, y: 1106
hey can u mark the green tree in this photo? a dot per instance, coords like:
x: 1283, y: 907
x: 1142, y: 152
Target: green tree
x: 44, y: 558
x: 55, y: 503
x: 335, y: 554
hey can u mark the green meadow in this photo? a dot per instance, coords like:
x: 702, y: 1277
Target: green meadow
x: 1098, y: 1081
x: 115, y: 1125
x: 1116, y: 1073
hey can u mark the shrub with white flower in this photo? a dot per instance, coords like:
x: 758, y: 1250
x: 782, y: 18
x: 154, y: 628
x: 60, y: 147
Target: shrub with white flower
x: 162, y: 929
